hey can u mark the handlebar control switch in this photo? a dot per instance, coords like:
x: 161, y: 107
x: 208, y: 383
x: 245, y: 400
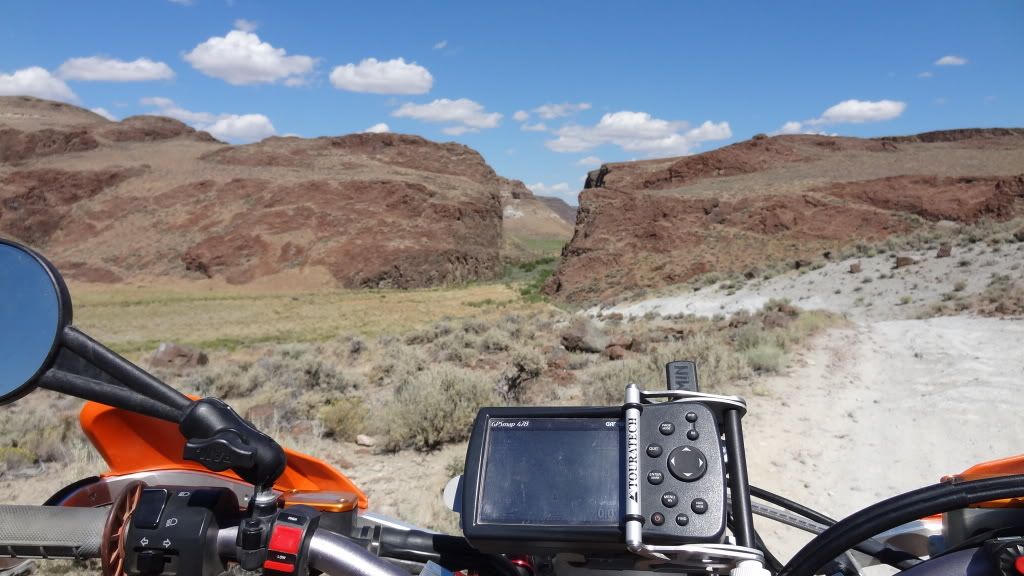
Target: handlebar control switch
x: 288, y: 548
x: 173, y: 531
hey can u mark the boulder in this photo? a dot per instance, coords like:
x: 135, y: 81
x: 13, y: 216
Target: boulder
x: 364, y: 440
x: 1019, y: 235
x: 172, y: 355
x: 855, y: 268
x: 945, y: 250
x: 615, y: 352
x: 583, y: 335
x: 904, y: 261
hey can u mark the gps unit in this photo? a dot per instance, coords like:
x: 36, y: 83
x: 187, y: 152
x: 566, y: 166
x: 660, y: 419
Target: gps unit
x: 583, y: 479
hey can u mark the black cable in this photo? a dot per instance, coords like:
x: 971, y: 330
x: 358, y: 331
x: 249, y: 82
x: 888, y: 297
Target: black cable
x: 788, y: 504
x: 897, y: 511
x: 871, y: 547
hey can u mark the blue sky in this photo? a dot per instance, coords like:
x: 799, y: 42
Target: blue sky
x: 592, y: 81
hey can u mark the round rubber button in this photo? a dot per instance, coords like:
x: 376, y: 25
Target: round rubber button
x: 655, y: 477
x: 654, y: 450
x: 692, y: 434
x: 657, y: 518
x: 687, y: 463
x: 691, y: 416
x: 699, y: 506
x: 682, y: 519
x: 667, y: 428
x: 669, y: 499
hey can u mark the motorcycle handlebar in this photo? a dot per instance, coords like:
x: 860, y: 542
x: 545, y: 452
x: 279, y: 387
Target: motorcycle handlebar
x: 329, y: 553
x: 51, y: 531
x: 77, y: 533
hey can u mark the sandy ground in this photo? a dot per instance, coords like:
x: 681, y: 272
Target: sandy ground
x: 882, y: 408
x: 878, y: 292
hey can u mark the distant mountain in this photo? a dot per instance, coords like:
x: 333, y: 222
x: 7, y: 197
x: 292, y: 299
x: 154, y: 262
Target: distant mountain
x: 560, y: 207
x: 532, y: 228
x: 782, y: 199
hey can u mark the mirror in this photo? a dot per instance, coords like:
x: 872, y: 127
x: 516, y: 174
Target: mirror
x: 34, y: 308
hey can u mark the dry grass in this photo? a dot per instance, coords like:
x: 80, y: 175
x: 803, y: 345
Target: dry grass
x: 135, y: 319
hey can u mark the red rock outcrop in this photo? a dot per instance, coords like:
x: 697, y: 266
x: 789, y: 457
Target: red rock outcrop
x: 651, y: 223
x: 365, y: 210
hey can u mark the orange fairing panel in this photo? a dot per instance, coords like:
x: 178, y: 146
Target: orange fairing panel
x: 131, y: 442
x: 990, y: 469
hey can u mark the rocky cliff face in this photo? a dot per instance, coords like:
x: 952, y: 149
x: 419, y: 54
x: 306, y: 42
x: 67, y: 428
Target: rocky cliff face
x: 151, y: 197
x: 782, y: 199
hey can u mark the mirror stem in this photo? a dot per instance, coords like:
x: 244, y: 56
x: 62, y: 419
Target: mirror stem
x: 105, y: 393
x: 124, y: 371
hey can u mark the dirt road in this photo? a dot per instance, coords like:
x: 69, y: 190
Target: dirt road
x: 884, y: 407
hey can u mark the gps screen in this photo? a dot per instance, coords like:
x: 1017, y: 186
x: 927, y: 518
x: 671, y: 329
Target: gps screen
x: 552, y: 471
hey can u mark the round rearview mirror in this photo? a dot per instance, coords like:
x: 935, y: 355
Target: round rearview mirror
x: 34, y: 309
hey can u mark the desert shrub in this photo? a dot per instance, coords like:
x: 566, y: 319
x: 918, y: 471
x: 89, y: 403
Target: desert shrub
x: 765, y: 357
x: 356, y: 346
x: 221, y: 380
x: 494, y: 340
x: 302, y: 368
x: 525, y: 364
x: 344, y: 417
x: 399, y: 364
x: 605, y: 384
x: 437, y: 406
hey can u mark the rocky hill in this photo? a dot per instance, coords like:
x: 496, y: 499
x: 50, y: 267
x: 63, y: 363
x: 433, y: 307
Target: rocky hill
x: 151, y: 197
x: 781, y: 199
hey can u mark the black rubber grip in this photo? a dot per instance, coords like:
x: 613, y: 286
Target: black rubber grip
x: 51, y: 531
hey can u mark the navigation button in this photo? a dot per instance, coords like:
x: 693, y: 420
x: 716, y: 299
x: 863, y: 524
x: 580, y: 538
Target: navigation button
x: 669, y: 499
x: 687, y: 463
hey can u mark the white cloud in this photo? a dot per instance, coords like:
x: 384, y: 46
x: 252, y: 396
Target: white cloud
x: 441, y: 45
x: 240, y: 57
x: 241, y: 128
x: 35, y: 81
x: 246, y: 25
x: 463, y: 114
x: 791, y: 127
x: 552, y: 111
x: 383, y: 77
x: 638, y: 132
x: 521, y: 116
x: 182, y: 2
x: 378, y: 128
x: 234, y: 128
x: 458, y: 130
x: 542, y: 188
x: 538, y: 127
x: 589, y: 161
x: 100, y: 69
x: 861, y: 111
x: 925, y: 74
x: 103, y: 112
x: 951, y: 61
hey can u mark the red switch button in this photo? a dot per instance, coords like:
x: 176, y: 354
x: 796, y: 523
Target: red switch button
x: 1018, y: 564
x: 285, y: 539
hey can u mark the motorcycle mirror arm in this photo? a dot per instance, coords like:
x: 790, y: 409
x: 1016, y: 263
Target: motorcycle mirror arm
x: 216, y: 436
x: 106, y: 393
x: 130, y: 375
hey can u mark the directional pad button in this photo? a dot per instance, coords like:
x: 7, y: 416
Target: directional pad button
x: 687, y: 463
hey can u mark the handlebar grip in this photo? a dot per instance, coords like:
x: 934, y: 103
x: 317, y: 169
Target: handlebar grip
x: 51, y: 531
